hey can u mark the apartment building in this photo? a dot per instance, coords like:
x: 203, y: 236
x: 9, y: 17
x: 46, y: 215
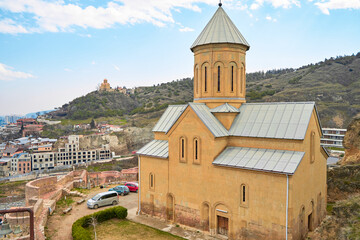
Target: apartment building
x: 43, y: 161
x: 21, y: 163
x: 332, y: 137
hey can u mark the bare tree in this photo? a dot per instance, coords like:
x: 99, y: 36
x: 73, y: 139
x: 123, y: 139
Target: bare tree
x: 94, y: 223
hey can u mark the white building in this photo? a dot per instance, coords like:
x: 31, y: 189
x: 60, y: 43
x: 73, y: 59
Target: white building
x: 43, y: 161
x: 333, y: 137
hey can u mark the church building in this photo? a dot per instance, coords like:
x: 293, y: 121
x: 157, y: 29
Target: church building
x: 229, y: 168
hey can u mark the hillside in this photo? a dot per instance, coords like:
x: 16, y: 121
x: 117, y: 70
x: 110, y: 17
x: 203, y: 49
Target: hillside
x: 334, y: 84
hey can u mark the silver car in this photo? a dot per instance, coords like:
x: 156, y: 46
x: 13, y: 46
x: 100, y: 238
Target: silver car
x: 103, y: 199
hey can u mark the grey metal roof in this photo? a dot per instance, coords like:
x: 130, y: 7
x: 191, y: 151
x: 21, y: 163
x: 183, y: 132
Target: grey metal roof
x: 224, y: 108
x: 259, y: 159
x: 170, y: 116
x: 210, y: 121
x: 155, y: 148
x: 220, y: 29
x: 273, y: 120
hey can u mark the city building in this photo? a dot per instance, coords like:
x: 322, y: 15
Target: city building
x: 234, y: 169
x: 26, y: 121
x: 71, y: 154
x: 5, y: 167
x: 21, y: 163
x: 333, y: 137
x: 43, y: 161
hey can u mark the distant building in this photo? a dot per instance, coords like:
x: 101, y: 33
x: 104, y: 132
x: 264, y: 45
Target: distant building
x: 43, y: 161
x: 21, y: 163
x: 105, y: 86
x: 333, y: 137
x: 5, y: 164
x: 72, y: 155
x: 11, y: 119
x: 26, y: 121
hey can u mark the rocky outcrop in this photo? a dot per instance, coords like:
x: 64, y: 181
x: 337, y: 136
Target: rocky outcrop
x: 352, y: 143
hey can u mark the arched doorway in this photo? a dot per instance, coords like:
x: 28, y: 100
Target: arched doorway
x: 205, y: 216
x: 170, y: 207
x: 222, y: 219
x: 311, y: 217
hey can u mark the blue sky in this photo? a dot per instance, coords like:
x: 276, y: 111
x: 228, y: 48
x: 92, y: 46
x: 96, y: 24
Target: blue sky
x: 54, y: 51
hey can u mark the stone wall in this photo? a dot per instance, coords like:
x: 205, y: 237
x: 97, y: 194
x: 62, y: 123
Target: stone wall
x: 42, y: 194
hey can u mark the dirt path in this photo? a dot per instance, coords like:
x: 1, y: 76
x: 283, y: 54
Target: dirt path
x: 59, y: 227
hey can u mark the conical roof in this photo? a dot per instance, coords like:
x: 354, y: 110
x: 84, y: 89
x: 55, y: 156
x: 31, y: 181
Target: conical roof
x: 220, y: 29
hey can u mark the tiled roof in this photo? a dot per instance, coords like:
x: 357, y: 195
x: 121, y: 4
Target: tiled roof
x: 273, y: 120
x: 210, y: 121
x: 220, y: 29
x: 155, y: 148
x: 259, y: 159
x: 169, y: 117
x: 225, y: 108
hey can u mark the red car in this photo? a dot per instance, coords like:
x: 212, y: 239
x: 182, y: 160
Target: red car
x: 133, y: 187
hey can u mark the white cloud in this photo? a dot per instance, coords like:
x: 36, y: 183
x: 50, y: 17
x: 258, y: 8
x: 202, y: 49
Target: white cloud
x: 68, y: 70
x: 269, y: 18
x: 116, y: 68
x: 9, y: 26
x: 55, y: 16
x: 93, y: 63
x: 275, y: 3
x: 325, y: 6
x: 186, y: 29
x: 8, y: 74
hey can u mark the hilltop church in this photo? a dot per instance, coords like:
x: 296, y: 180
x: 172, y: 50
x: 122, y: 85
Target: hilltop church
x: 229, y: 168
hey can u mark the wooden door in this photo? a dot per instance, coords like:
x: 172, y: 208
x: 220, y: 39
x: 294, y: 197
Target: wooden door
x: 222, y: 225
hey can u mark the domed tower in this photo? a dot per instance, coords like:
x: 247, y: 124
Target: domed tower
x: 219, y: 66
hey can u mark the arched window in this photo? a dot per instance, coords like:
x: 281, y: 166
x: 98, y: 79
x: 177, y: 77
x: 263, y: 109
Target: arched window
x: 196, y: 147
x: 218, y: 85
x: 312, y: 146
x: 232, y: 78
x: 196, y: 80
x: 244, y: 195
x: 151, y: 181
x: 182, y: 149
x: 205, y: 77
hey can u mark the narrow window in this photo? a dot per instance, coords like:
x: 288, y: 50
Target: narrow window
x: 151, y: 181
x: 196, y: 149
x: 232, y: 78
x: 205, y: 79
x: 312, y: 147
x: 243, y: 193
x: 196, y: 80
x: 218, y: 79
x: 182, y: 148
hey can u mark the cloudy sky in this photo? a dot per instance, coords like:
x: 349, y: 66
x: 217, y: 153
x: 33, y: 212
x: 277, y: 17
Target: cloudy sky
x: 52, y: 51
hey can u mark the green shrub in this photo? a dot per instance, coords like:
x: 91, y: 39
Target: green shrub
x: 78, y: 228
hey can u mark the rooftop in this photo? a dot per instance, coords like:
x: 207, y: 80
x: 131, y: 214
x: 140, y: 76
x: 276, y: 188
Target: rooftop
x: 220, y: 29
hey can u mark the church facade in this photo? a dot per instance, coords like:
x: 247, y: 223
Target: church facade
x: 230, y: 168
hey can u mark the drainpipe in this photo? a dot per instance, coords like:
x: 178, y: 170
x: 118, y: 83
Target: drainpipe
x: 287, y: 204
x: 139, y: 191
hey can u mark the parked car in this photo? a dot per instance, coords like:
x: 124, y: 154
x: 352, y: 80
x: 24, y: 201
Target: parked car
x: 121, y: 190
x: 103, y: 199
x: 133, y: 187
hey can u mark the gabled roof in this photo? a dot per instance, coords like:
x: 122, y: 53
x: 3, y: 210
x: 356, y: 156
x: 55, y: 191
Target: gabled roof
x: 273, y: 120
x: 220, y: 29
x: 210, y: 121
x: 169, y: 117
x: 155, y: 148
x: 259, y: 159
x: 225, y: 108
